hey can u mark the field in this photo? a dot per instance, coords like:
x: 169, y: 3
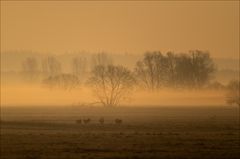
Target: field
x: 155, y: 132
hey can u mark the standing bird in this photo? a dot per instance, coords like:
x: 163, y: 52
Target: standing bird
x: 86, y: 121
x: 118, y: 121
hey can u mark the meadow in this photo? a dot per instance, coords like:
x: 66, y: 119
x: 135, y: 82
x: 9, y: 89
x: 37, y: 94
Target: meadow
x: 146, y: 132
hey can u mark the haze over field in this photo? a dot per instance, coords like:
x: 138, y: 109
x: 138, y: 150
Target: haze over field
x: 119, y: 79
x: 125, y: 31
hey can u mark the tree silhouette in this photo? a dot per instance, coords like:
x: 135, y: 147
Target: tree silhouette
x: 156, y: 70
x: 111, y: 84
x: 79, y: 66
x: 202, y: 66
x: 233, y: 96
x: 151, y: 72
x: 233, y: 90
x: 51, y: 66
x: 30, y: 67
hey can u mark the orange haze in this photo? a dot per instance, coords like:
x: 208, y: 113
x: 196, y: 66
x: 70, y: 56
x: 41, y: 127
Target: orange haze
x: 119, y: 27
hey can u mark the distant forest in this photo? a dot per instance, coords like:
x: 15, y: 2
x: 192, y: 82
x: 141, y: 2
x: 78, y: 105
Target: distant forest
x: 12, y: 63
x: 112, y: 77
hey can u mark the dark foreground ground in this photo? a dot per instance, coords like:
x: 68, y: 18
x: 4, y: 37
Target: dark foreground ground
x: 168, y: 133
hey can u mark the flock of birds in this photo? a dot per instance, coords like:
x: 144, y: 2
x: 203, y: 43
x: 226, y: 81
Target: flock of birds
x: 101, y: 121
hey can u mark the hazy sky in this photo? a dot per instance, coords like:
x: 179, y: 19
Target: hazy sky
x: 120, y: 27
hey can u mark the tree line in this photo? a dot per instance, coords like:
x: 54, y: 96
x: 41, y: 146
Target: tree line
x: 193, y: 69
x: 112, y: 83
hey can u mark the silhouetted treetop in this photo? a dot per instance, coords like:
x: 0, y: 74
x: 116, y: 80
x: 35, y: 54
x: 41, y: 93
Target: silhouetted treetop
x: 111, y: 83
x: 193, y: 69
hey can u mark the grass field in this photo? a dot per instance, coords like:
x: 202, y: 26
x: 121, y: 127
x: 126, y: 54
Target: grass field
x: 156, y: 132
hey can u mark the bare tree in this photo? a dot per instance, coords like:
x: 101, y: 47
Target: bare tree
x: 233, y: 95
x: 111, y: 84
x: 151, y: 72
x: 202, y: 67
x: 233, y: 92
x: 195, y: 69
x: 171, y: 69
x: 192, y: 70
x: 30, y: 68
x: 51, y: 66
x: 183, y: 71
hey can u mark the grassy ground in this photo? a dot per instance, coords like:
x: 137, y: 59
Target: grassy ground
x: 176, y: 132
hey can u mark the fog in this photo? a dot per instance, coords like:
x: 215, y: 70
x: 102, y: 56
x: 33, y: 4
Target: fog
x: 35, y: 34
x: 120, y: 27
x: 119, y: 79
x: 18, y: 89
x: 37, y: 95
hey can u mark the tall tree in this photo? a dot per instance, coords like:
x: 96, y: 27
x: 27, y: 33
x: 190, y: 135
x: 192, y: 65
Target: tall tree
x: 184, y: 70
x: 202, y: 67
x: 51, y: 66
x: 30, y: 67
x: 151, y: 72
x: 79, y: 66
x: 171, y: 69
x: 111, y: 84
x: 233, y: 91
x: 233, y: 96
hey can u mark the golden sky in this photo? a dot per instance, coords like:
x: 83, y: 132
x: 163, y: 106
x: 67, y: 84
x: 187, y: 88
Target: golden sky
x: 119, y: 27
